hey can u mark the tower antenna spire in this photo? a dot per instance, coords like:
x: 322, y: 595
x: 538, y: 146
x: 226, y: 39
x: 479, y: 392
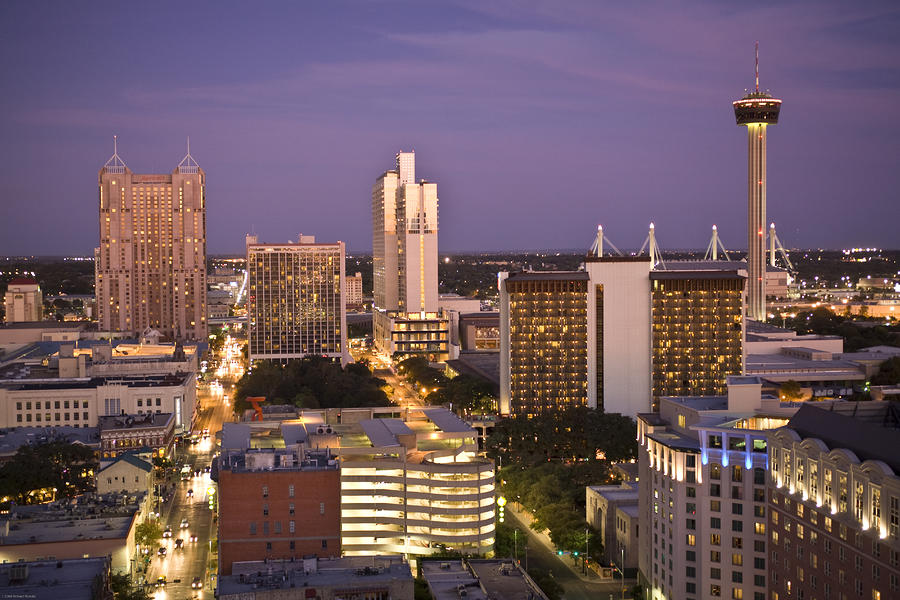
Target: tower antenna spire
x: 115, y: 145
x: 757, y: 67
x: 189, y: 139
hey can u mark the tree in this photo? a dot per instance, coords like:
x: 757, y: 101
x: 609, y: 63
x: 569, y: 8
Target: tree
x: 64, y: 468
x: 790, y: 390
x: 147, y: 534
x: 123, y: 588
x: 888, y: 373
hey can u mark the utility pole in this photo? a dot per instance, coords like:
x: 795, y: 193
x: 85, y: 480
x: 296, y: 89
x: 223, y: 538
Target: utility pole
x: 586, y: 546
x: 516, y: 543
x: 623, y: 572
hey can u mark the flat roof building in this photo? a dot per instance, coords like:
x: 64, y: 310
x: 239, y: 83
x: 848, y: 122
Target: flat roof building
x: 73, y: 579
x: 296, y: 300
x: 376, y: 577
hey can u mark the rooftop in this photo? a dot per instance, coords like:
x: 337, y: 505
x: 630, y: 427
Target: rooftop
x: 871, y: 430
x: 12, y: 439
x: 131, y: 459
x: 124, y: 422
x: 83, y: 518
x: 52, y: 580
x: 143, y: 381
x: 348, y: 573
x: 548, y: 276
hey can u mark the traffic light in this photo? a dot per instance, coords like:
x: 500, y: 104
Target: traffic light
x: 559, y: 552
x: 575, y: 553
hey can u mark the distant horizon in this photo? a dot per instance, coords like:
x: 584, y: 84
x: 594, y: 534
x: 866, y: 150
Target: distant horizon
x: 561, y: 251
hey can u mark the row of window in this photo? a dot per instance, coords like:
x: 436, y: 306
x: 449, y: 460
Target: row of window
x: 56, y: 404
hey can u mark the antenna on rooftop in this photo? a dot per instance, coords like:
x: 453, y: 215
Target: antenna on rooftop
x: 757, y: 66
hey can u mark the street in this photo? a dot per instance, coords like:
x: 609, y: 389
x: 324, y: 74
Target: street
x: 181, y: 566
x: 543, y: 557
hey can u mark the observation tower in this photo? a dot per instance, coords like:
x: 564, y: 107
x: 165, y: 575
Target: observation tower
x: 756, y: 110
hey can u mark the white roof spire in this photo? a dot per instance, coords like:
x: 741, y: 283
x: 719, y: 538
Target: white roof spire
x: 115, y: 164
x: 188, y: 164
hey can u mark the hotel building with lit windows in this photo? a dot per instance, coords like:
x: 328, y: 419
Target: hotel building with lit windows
x: 617, y: 333
x: 295, y: 300
x: 834, y: 503
x: 702, y: 501
x: 698, y: 327
x: 150, y: 266
x: 407, y: 318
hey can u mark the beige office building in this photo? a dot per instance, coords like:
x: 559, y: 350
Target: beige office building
x: 24, y: 302
x: 295, y: 299
x: 407, y: 317
x: 151, y: 262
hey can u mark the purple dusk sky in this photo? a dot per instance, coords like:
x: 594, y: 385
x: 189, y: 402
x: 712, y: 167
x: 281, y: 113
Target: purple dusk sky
x: 538, y: 120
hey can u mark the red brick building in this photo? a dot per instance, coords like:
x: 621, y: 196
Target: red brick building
x: 272, y: 506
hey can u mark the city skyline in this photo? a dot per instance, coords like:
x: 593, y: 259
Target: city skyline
x: 538, y: 124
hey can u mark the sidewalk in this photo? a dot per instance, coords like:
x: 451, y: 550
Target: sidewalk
x: 526, y: 519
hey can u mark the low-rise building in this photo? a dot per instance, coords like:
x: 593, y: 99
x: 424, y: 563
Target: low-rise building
x: 479, y: 579
x: 26, y: 400
x: 128, y: 474
x: 82, y: 528
x: 361, y: 577
x: 407, y: 334
x: 14, y: 438
x: 72, y: 579
x: 613, y: 511
x: 413, y: 485
x: 119, y: 434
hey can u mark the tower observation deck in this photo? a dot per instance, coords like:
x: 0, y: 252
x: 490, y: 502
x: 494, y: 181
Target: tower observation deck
x: 756, y: 111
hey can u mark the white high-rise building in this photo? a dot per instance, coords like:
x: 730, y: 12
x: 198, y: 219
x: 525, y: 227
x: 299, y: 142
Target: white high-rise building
x: 407, y: 316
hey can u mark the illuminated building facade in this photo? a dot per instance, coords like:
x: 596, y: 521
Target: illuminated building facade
x: 295, y: 300
x: 404, y: 259
x: 698, y: 328
x: 415, y: 487
x: 702, y: 494
x: 834, y: 503
x: 544, y: 342
x: 756, y: 111
x: 151, y: 262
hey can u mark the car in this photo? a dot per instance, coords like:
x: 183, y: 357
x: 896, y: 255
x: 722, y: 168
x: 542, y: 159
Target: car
x: 161, y: 581
x: 184, y: 523
x: 179, y: 544
x: 162, y: 551
x: 168, y: 532
x: 196, y: 584
x: 193, y: 537
x: 207, y: 469
x: 190, y: 493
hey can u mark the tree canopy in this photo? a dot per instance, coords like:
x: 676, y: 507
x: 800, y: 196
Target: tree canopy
x: 311, y: 382
x: 579, y: 433
x: 67, y: 467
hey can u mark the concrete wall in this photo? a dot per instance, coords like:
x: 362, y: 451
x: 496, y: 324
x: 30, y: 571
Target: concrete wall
x: 627, y: 349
